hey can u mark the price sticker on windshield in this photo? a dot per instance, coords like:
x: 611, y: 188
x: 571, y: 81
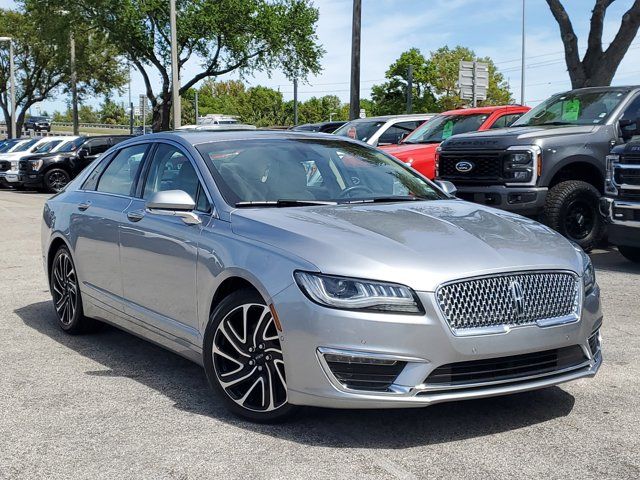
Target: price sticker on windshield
x: 571, y: 110
x: 447, y: 130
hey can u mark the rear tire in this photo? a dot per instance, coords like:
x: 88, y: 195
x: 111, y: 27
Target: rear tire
x: 65, y: 290
x: 630, y: 253
x: 55, y: 180
x: 571, y: 208
x: 243, y: 359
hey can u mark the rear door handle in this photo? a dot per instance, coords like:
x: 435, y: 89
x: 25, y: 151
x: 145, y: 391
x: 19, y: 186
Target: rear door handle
x: 83, y: 206
x: 135, y: 215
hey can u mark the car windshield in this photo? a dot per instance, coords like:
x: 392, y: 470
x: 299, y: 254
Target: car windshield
x: 47, y: 147
x: 311, y: 171
x: 573, y: 108
x: 23, y: 147
x: 71, y: 145
x: 442, y: 127
x: 360, y: 130
x: 8, y: 145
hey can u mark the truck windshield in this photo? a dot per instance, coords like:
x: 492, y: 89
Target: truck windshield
x: 23, y: 147
x: 574, y: 108
x: 443, y: 126
x: 71, y: 145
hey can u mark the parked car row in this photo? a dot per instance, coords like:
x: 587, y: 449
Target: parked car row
x: 50, y: 163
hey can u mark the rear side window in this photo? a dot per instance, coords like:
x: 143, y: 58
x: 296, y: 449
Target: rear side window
x: 505, y: 120
x: 97, y: 146
x: 121, y: 173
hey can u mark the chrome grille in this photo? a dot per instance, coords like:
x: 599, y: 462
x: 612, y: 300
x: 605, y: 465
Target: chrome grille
x: 509, y: 300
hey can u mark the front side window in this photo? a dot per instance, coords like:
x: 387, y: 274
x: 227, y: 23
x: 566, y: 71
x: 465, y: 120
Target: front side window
x: 72, y: 145
x: 120, y: 174
x: 170, y: 169
x: 97, y: 146
x: 574, y: 108
x: 308, y: 170
x: 443, y: 126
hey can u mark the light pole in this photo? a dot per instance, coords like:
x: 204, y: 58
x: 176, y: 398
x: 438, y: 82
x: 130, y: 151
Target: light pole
x: 354, y: 97
x: 74, y: 83
x: 12, y: 88
x: 174, y: 66
x: 523, y: 61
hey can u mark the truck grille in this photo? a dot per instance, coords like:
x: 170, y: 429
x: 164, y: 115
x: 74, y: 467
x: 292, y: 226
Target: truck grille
x: 507, y: 368
x: 23, y: 166
x: 5, y: 165
x: 627, y: 176
x: 630, y: 159
x: 509, y: 300
x: 628, y: 194
x: 486, y: 166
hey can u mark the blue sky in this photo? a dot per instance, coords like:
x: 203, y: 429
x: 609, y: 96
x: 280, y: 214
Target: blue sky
x: 490, y: 27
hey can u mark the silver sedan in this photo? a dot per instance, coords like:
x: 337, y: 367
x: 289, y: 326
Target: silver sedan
x: 307, y: 269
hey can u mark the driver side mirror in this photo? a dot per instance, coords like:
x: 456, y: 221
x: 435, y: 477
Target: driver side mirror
x: 83, y: 152
x: 447, y: 187
x: 629, y: 128
x: 173, y: 203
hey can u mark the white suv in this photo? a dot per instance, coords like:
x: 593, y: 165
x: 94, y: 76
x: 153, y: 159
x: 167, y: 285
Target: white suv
x: 386, y: 130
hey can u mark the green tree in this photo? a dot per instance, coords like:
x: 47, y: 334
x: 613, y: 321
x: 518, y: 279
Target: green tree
x: 87, y: 114
x: 224, y: 35
x: 112, y: 113
x: 41, y: 53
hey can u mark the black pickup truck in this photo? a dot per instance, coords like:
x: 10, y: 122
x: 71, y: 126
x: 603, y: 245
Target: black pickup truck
x: 550, y: 163
x: 53, y: 171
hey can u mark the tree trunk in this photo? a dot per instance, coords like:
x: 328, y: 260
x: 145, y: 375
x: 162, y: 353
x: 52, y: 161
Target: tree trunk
x: 162, y: 113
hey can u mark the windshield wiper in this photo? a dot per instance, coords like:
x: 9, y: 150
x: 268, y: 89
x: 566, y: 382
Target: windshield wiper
x: 385, y: 199
x: 555, y: 123
x: 282, y: 203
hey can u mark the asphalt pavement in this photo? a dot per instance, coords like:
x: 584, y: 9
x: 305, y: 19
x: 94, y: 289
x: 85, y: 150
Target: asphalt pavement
x: 109, y: 405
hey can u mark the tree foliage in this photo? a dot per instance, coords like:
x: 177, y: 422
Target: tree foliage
x: 598, y: 66
x: 41, y: 55
x: 435, y: 82
x: 223, y: 36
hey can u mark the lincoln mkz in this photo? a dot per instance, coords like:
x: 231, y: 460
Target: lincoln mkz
x: 306, y: 269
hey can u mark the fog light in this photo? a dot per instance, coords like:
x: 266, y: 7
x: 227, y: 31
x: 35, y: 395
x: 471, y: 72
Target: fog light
x: 335, y: 358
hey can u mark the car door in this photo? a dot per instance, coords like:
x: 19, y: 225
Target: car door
x: 159, y: 253
x: 104, y: 196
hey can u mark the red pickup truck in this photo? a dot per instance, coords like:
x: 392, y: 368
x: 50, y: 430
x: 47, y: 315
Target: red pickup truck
x: 418, y: 150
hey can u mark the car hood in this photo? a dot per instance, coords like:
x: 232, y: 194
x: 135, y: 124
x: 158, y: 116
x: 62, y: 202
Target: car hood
x: 421, y: 244
x: 14, y: 155
x: 406, y: 150
x: 514, y: 136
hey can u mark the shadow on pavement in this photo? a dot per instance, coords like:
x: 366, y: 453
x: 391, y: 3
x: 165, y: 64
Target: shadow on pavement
x: 611, y: 260
x: 124, y: 355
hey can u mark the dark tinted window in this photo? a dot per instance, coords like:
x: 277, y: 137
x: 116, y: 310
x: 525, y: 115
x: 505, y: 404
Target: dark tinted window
x: 505, y: 120
x: 632, y: 112
x: 120, y: 174
x: 444, y: 126
x: 395, y: 133
x: 116, y: 140
x: 170, y: 169
x: 96, y: 146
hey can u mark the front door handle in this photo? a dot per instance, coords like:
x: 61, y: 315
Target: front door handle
x: 135, y: 215
x: 83, y: 206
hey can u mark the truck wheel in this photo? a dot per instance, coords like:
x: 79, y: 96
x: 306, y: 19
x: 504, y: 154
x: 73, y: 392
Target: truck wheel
x: 630, y: 253
x: 571, y: 208
x: 55, y: 180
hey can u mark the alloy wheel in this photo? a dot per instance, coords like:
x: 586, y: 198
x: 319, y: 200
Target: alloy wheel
x: 57, y: 181
x: 247, y: 358
x: 64, y: 287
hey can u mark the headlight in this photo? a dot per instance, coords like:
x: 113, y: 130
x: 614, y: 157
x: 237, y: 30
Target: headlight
x: 355, y: 294
x: 35, y: 164
x: 588, y: 272
x: 14, y: 165
x: 518, y: 166
x: 609, y: 184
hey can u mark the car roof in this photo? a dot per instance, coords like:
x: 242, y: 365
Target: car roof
x: 487, y: 109
x: 386, y: 118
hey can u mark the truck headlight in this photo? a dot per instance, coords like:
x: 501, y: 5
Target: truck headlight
x: 35, y: 165
x: 518, y: 166
x: 355, y: 294
x: 609, y: 180
x: 14, y: 165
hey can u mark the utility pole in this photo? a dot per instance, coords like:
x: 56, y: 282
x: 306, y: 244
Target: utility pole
x: 410, y: 89
x: 74, y: 84
x: 175, y: 81
x: 130, y: 105
x: 196, y: 106
x: 475, y: 79
x: 354, y: 100
x: 12, y: 87
x: 295, y: 102
x: 523, y: 61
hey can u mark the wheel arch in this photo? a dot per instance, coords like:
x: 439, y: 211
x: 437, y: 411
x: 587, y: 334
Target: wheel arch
x: 54, y: 246
x: 582, y: 168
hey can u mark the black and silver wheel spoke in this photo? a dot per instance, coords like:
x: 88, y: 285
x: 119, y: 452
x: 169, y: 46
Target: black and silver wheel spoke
x: 248, y: 360
x: 64, y: 287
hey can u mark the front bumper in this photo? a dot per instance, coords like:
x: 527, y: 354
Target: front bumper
x: 31, y: 179
x: 10, y: 177
x: 624, y: 221
x: 522, y: 200
x: 424, y: 342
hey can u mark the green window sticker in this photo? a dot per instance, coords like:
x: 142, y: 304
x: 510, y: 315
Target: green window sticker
x: 570, y: 110
x: 447, y: 130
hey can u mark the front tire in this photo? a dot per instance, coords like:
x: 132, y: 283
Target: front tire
x: 243, y: 359
x: 571, y: 208
x: 55, y: 180
x: 630, y: 253
x: 65, y: 289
